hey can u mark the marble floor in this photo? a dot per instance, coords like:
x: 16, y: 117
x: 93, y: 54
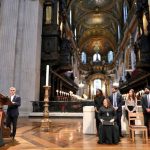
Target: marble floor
x: 66, y: 134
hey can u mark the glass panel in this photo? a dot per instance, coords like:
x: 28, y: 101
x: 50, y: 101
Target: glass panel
x: 96, y: 57
x: 110, y: 56
x: 48, y: 15
x: 83, y: 57
x: 97, y: 85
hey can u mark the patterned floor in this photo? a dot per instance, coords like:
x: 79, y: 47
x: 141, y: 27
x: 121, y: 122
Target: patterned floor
x: 64, y: 134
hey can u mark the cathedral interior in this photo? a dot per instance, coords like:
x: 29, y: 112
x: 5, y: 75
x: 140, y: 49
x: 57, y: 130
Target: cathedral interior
x: 87, y: 44
x: 92, y: 44
x: 56, y: 53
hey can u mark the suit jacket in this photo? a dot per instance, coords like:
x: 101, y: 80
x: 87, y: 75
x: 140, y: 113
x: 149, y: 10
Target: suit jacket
x: 13, y: 110
x: 119, y: 101
x: 144, y: 103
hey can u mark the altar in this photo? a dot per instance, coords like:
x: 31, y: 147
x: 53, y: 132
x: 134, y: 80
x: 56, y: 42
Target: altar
x: 89, y: 123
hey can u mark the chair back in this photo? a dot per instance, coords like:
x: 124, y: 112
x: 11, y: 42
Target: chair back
x: 136, y: 116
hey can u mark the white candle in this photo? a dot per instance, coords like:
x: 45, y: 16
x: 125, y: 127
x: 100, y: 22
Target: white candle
x: 47, y: 75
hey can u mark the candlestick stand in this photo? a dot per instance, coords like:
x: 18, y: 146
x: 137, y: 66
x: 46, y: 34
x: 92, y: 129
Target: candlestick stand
x: 46, y: 122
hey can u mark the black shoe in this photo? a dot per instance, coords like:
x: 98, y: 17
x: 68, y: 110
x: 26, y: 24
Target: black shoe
x: 121, y: 136
x: 11, y: 134
x: 13, y: 138
x: 98, y: 142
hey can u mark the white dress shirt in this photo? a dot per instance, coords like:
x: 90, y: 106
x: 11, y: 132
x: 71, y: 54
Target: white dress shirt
x: 12, y: 97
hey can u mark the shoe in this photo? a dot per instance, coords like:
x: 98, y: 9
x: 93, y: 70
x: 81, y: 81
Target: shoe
x: 98, y: 142
x: 13, y: 138
x: 11, y: 134
x: 121, y: 136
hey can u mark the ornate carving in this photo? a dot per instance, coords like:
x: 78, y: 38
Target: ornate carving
x: 65, y: 53
x: 142, y: 9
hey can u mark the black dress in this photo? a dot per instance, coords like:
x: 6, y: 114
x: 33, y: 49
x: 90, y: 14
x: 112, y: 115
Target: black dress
x: 98, y: 100
x: 108, y: 134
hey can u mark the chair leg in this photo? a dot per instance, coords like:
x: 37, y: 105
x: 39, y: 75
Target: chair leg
x: 132, y: 135
x: 129, y: 134
x: 146, y: 136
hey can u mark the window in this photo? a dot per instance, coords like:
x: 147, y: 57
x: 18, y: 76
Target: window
x: 110, y: 56
x: 119, y: 35
x: 133, y: 59
x: 96, y: 57
x: 97, y: 85
x: 125, y: 12
x: 75, y: 34
x: 48, y: 19
x: 70, y: 17
x: 83, y: 57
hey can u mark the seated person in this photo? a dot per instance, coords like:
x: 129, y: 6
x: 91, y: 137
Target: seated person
x: 108, y: 129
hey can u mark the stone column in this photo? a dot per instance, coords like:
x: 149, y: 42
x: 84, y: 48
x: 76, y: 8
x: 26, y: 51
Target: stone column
x: 31, y: 55
x: 8, y: 35
x: 20, y: 48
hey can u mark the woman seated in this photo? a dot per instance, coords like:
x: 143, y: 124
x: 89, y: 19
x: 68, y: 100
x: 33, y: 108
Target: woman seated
x: 108, y: 129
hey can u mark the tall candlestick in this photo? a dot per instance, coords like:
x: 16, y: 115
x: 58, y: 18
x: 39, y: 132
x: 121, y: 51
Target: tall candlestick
x: 47, y: 75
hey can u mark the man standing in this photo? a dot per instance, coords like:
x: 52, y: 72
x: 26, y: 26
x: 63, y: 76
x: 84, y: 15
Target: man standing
x: 116, y: 100
x: 146, y: 108
x: 13, y: 111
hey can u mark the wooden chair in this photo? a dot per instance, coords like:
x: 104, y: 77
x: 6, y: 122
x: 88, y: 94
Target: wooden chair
x: 138, y: 116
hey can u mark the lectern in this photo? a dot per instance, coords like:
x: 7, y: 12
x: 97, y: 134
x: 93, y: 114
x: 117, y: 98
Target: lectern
x: 4, y: 131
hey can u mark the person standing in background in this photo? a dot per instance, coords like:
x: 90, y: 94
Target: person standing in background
x: 13, y: 111
x: 145, y: 101
x: 98, y: 101
x: 116, y: 100
x: 130, y: 104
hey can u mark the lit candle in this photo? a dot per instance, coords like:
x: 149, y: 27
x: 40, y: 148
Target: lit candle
x: 47, y: 75
x: 57, y: 92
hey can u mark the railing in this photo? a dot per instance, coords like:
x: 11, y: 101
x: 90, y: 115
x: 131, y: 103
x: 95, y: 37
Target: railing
x: 62, y: 106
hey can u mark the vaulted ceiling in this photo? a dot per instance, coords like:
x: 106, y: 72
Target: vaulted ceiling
x: 96, y: 22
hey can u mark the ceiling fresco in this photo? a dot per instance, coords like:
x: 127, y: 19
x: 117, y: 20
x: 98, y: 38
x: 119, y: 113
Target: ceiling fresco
x: 96, y: 23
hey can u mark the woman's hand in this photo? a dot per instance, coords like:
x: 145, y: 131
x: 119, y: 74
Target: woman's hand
x: 102, y: 120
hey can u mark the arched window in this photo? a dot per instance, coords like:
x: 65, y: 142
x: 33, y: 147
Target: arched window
x: 75, y: 34
x: 110, y: 56
x: 96, y: 57
x: 133, y: 59
x: 83, y: 57
x: 70, y: 17
x: 119, y: 35
x: 97, y: 85
x: 125, y: 12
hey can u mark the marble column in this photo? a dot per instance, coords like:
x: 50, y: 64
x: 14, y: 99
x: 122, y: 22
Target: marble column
x: 20, y: 38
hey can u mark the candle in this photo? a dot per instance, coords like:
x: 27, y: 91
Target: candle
x: 47, y: 75
x: 57, y: 92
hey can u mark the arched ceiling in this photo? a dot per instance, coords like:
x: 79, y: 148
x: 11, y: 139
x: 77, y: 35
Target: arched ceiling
x: 96, y: 22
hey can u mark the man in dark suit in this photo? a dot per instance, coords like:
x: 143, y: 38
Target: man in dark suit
x: 145, y: 101
x: 13, y: 111
x: 116, y: 100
